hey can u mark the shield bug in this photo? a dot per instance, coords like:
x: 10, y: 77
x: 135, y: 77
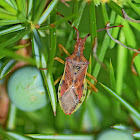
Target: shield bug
x: 73, y: 85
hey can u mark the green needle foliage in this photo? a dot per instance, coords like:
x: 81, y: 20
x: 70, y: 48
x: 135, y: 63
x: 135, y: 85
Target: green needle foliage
x: 36, y: 23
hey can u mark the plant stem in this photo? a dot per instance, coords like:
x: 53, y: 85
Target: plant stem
x: 12, y: 117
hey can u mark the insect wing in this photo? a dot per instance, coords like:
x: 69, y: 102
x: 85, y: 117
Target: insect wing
x: 68, y: 96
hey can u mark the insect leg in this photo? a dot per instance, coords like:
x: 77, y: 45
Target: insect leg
x: 92, y: 77
x: 56, y: 58
x: 132, y: 66
x: 57, y: 80
x: 64, y: 49
x: 59, y: 60
x: 42, y: 68
x: 92, y: 86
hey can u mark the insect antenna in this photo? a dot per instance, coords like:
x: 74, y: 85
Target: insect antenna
x: 70, y: 24
x: 109, y: 28
x: 102, y: 30
x: 86, y: 37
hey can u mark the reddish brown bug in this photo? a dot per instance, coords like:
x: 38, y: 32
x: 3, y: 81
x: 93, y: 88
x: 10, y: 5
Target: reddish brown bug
x: 73, y: 85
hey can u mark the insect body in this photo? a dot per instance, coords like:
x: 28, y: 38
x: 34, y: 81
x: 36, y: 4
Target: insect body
x: 73, y: 85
